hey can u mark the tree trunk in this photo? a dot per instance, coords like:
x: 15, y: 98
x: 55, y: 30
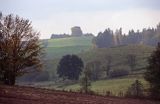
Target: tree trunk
x: 9, y: 78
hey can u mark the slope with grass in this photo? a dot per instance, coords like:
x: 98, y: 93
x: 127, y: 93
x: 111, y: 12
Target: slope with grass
x: 115, y: 86
x: 54, y: 49
x: 118, y: 54
x: 72, y: 45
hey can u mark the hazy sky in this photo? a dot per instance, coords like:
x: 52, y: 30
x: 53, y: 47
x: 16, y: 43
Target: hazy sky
x: 58, y: 16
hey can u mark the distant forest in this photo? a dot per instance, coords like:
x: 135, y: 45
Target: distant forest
x: 108, y: 38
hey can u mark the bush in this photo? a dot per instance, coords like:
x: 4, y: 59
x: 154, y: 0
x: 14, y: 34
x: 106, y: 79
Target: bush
x: 121, y: 71
x: 135, y: 90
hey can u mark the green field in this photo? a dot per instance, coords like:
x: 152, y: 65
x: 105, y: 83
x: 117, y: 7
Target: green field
x: 70, y: 41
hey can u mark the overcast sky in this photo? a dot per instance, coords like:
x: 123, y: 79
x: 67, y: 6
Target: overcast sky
x: 58, y: 16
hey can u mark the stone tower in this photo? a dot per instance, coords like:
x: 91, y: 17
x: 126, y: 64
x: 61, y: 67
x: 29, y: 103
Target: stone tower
x: 76, y: 31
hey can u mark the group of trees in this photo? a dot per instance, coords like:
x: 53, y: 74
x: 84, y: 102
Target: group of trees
x: 108, y: 38
x: 105, y: 39
x: 20, y: 49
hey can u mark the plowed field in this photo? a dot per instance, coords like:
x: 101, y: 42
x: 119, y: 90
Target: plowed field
x: 28, y: 95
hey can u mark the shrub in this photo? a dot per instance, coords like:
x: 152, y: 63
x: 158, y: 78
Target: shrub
x: 135, y: 90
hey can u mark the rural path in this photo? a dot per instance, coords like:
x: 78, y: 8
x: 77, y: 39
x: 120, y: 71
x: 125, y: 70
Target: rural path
x: 28, y: 95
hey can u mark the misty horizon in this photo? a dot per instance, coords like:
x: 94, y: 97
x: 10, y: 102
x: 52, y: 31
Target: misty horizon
x: 93, y: 16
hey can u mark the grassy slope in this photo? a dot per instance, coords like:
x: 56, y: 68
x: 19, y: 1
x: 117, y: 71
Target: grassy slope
x: 118, y: 54
x: 73, y: 45
x: 59, y: 47
x: 56, y: 48
x: 113, y: 85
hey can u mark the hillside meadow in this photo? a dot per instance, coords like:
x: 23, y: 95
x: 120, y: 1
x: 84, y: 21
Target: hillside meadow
x: 82, y: 47
x: 118, y: 54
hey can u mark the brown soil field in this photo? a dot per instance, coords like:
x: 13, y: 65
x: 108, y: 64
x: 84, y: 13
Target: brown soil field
x: 29, y: 95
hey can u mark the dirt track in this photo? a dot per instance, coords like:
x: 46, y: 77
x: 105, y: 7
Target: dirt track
x: 27, y: 95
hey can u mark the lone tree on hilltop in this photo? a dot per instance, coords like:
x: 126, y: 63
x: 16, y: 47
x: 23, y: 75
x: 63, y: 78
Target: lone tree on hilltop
x: 70, y: 67
x: 152, y: 74
x: 19, y: 48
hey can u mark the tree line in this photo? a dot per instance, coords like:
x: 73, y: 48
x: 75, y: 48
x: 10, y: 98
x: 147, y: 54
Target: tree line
x: 108, y: 38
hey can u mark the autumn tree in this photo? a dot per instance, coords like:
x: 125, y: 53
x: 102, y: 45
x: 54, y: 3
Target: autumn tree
x: 20, y: 49
x: 70, y: 67
x: 152, y: 75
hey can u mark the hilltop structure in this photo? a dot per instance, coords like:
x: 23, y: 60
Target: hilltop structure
x: 76, y: 31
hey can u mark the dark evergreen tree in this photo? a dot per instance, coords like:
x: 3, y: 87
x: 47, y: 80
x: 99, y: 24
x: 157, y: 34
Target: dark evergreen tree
x: 70, y: 67
x: 152, y: 74
x: 105, y: 39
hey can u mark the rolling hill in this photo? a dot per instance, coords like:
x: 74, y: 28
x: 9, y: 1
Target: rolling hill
x: 82, y: 46
x: 54, y: 49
